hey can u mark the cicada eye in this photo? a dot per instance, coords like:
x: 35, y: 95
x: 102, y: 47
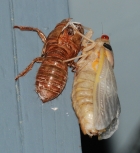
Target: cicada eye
x: 105, y: 37
x: 80, y: 28
x: 70, y: 31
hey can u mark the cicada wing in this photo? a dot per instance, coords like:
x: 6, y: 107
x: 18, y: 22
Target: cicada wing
x: 107, y: 102
x: 110, y: 129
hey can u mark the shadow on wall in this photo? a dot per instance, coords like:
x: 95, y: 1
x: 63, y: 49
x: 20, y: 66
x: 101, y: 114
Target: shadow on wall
x: 133, y: 144
x: 93, y: 145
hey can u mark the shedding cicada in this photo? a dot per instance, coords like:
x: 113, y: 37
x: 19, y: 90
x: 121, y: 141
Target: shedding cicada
x: 94, y: 94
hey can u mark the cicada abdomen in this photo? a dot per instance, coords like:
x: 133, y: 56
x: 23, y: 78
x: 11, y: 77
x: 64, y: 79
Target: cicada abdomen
x: 94, y: 95
x: 61, y: 44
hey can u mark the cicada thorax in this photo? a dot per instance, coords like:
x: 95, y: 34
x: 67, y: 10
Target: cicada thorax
x: 61, y: 44
x: 94, y: 93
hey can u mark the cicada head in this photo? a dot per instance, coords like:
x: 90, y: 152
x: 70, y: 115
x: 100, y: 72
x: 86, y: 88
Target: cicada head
x: 70, y: 38
x: 58, y: 29
x: 103, y: 39
x: 76, y: 37
x: 69, y: 31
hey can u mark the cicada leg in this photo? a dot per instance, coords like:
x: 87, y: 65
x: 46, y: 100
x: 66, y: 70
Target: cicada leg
x: 39, y: 32
x: 87, y: 35
x: 29, y: 67
x: 87, y: 42
x: 86, y: 39
x: 72, y: 65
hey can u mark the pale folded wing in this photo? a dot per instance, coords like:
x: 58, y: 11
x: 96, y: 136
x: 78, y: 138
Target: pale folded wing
x: 107, y: 105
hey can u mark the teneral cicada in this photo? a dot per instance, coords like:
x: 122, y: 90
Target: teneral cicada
x: 61, y: 44
x: 94, y: 95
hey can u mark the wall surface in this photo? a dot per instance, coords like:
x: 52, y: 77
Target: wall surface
x: 121, y: 21
x: 27, y: 125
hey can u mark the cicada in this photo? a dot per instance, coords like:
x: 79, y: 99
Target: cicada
x: 61, y: 44
x: 94, y: 94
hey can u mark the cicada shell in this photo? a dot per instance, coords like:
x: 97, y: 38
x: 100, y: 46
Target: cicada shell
x: 94, y: 95
x: 61, y: 44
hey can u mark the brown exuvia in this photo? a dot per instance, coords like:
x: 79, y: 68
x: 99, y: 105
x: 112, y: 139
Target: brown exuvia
x: 61, y: 44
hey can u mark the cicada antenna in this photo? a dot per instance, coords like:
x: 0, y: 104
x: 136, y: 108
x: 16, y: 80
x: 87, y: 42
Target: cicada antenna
x: 102, y: 27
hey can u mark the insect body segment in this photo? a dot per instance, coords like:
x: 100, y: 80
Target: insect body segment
x: 94, y: 95
x: 60, y: 45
